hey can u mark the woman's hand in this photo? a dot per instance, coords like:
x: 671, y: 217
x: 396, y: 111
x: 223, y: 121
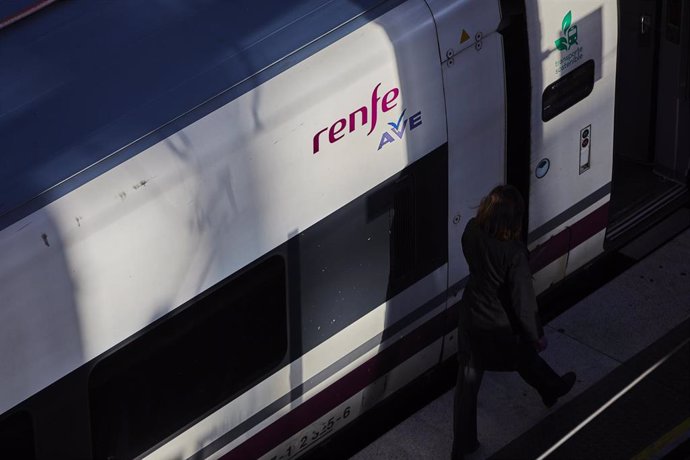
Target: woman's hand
x: 541, y: 344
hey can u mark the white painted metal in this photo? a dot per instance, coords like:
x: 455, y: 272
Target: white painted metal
x: 475, y: 104
x: 576, y: 258
x: 324, y: 427
x: 311, y: 364
x: 418, y: 363
x: 474, y: 17
x: 559, y: 138
x: 99, y: 264
x: 167, y: 224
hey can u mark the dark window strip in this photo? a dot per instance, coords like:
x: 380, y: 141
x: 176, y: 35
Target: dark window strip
x: 230, y: 339
x: 17, y: 436
x: 323, y: 375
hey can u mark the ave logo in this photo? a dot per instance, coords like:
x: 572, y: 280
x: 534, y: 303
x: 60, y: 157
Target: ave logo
x: 398, y: 128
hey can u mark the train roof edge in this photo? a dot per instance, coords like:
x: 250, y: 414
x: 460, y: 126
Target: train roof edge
x: 92, y: 84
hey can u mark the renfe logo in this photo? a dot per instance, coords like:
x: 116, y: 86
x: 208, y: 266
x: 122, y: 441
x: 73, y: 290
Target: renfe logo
x: 368, y: 115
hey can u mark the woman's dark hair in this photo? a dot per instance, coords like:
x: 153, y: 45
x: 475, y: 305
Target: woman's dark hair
x: 500, y: 213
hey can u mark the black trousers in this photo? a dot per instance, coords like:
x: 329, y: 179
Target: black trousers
x: 531, y: 367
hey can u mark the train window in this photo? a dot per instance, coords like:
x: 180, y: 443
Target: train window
x: 190, y: 363
x: 402, y: 234
x: 370, y: 250
x: 17, y: 436
x: 567, y: 91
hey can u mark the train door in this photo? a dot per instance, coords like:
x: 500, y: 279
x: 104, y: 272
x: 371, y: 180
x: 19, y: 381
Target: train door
x: 673, y: 96
x: 474, y: 86
x: 652, y: 143
x: 572, y: 54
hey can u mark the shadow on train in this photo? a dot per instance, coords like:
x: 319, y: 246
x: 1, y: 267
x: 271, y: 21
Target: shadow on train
x: 368, y: 257
x: 44, y: 340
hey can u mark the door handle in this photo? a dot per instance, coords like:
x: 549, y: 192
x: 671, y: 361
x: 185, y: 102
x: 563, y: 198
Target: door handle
x: 645, y: 24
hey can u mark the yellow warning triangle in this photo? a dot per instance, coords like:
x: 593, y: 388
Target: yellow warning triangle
x: 464, y: 37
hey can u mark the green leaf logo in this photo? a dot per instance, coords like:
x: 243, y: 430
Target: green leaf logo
x: 562, y: 44
x: 567, y: 20
x: 569, y: 32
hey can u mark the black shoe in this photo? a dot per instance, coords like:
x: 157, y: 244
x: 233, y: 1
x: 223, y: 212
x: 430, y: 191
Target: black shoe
x: 568, y: 380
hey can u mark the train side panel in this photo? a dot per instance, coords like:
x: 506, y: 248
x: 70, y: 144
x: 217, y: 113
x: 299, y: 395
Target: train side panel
x: 573, y: 69
x: 211, y: 199
x: 402, y: 53
x: 313, y: 222
x: 474, y: 82
x: 214, y: 196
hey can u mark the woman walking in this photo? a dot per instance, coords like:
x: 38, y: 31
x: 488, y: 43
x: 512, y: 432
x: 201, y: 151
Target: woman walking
x: 499, y: 327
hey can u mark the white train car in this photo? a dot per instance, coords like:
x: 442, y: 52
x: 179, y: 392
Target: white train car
x: 229, y: 230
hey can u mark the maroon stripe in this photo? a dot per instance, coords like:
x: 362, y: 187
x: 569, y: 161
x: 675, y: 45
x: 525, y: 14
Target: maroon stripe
x: 590, y: 225
x: 340, y: 391
x: 545, y: 253
x: 571, y: 237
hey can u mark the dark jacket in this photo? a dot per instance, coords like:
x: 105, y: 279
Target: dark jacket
x: 498, y: 310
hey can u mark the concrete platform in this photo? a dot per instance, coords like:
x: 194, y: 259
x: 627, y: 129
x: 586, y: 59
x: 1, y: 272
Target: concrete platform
x: 595, y: 337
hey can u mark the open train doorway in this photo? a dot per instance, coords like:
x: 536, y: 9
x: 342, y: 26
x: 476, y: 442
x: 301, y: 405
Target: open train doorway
x: 652, y: 115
